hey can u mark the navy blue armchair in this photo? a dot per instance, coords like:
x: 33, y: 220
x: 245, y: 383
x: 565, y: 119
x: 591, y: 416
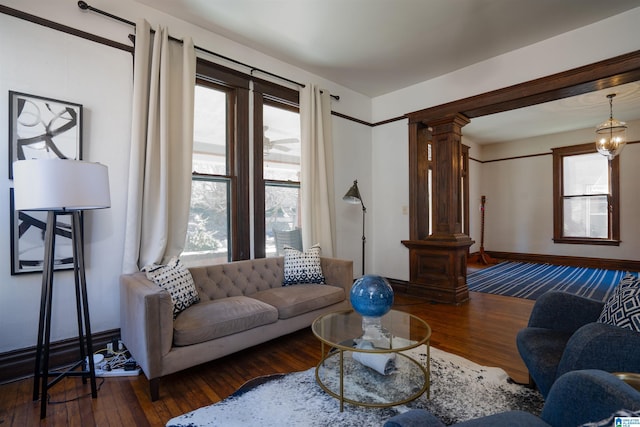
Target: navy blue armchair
x: 576, y: 398
x: 563, y: 335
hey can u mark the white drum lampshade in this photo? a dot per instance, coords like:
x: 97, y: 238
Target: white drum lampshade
x: 60, y: 185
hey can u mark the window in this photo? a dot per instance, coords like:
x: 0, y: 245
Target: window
x: 277, y: 151
x: 209, y: 221
x: 218, y: 229
x: 281, y: 171
x: 586, y: 196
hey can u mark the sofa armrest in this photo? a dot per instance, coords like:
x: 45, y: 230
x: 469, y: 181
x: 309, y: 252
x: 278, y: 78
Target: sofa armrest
x: 601, y: 346
x: 338, y: 272
x: 146, y: 322
x: 564, y: 312
x: 580, y: 397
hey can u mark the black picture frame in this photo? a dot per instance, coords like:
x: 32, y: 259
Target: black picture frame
x: 43, y: 128
x: 27, y: 240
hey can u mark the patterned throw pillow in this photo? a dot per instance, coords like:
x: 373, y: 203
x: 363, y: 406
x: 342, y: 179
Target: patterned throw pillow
x: 176, y: 279
x: 302, y: 267
x: 623, y: 307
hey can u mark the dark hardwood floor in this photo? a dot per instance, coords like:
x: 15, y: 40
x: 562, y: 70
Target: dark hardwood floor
x: 482, y: 330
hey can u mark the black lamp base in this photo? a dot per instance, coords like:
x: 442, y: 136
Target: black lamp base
x: 42, y: 373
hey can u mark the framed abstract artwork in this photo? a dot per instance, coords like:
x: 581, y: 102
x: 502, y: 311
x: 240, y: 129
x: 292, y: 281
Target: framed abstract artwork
x: 27, y: 240
x: 43, y: 128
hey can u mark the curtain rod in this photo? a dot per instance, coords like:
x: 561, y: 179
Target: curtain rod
x: 84, y: 6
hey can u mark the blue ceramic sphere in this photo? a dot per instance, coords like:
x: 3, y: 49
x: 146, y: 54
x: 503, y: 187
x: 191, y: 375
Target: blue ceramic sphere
x: 371, y: 296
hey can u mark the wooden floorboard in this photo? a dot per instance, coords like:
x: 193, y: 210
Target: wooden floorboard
x: 482, y: 330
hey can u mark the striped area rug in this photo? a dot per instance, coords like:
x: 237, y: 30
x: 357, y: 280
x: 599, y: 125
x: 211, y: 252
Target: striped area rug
x: 529, y: 280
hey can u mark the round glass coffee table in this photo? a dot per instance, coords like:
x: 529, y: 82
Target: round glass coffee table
x: 348, y: 367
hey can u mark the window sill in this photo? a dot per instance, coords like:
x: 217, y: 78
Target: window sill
x: 585, y: 241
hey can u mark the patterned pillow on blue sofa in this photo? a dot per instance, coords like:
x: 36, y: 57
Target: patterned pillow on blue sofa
x: 623, y: 307
x: 302, y: 267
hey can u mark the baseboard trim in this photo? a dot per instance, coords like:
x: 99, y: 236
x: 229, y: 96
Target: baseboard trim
x: 398, y: 285
x: 18, y: 364
x: 610, y: 264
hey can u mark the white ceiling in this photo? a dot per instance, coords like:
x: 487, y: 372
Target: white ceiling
x: 579, y: 112
x: 379, y: 46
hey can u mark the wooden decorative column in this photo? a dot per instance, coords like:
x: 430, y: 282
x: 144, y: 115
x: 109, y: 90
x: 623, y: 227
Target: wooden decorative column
x: 437, y: 260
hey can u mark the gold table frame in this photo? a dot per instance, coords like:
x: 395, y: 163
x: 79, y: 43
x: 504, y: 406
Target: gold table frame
x: 339, y: 330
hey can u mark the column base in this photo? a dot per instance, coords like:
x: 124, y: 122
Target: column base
x: 438, y: 269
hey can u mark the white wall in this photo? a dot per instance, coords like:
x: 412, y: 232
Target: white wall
x: 352, y: 160
x: 38, y: 61
x: 389, y: 213
x: 41, y: 61
x: 519, y: 211
x: 605, y: 39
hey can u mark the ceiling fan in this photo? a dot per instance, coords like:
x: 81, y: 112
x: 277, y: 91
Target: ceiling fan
x: 277, y: 144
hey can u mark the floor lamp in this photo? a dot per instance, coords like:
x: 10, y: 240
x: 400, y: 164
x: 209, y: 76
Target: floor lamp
x: 353, y: 196
x: 61, y: 187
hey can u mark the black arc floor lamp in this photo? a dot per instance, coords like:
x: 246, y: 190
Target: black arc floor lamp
x: 353, y: 196
x: 61, y: 187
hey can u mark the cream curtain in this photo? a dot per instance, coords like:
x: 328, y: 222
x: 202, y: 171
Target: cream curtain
x: 316, y: 183
x: 161, y: 148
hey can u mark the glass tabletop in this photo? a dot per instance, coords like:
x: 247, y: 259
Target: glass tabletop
x: 343, y: 329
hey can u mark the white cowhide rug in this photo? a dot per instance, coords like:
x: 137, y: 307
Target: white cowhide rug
x: 460, y: 390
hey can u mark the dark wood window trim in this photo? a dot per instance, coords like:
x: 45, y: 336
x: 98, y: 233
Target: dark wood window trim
x: 558, y: 196
x: 237, y: 87
x: 265, y: 93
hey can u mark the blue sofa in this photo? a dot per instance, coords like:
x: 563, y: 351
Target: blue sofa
x: 563, y: 335
x: 576, y: 398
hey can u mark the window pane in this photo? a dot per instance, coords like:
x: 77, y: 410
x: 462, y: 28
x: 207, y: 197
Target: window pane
x: 208, y: 229
x: 586, y: 217
x: 281, y: 213
x: 281, y: 144
x: 586, y: 174
x: 210, y: 131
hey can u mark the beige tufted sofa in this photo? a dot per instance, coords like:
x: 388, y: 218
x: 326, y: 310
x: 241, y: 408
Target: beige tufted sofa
x: 242, y: 304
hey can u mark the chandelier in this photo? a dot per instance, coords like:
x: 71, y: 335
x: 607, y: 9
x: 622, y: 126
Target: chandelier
x: 611, y: 136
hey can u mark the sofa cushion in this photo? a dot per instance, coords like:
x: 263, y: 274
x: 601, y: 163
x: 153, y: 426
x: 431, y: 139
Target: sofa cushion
x: 302, y: 267
x: 217, y: 318
x: 295, y: 300
x: 623, y: 307
x: 175, y: 278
